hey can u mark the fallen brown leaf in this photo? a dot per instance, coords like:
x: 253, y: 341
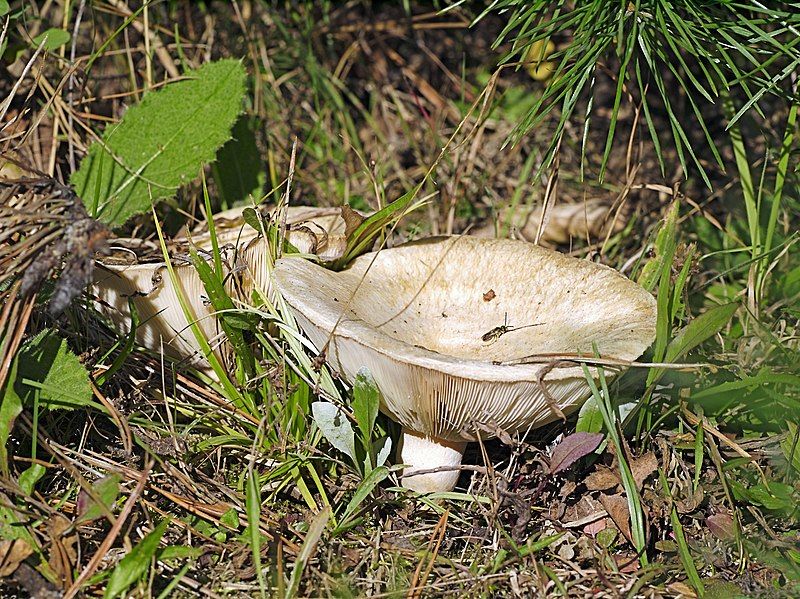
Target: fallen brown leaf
x: 689, y: 504
x: 602, y: 478
x: 12, y: 553
x: 607, y: 477
x: 62, y: 549
x: 595, y: 527
x: 642, y: 467
x: 617, y: 508
x: 681, y: 589
x: 721, y: 526
x: 352, y: 220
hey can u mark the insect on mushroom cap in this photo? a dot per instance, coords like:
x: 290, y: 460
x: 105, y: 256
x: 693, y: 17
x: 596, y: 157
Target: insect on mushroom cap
x: 445, y: 359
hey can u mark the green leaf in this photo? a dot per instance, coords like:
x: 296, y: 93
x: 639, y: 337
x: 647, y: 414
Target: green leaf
x: 4, y: 8
x: 178, y: 552
x: 55, y: 37
x: 47, y: 364
x: 590, y: 418
x: 701, y: 328
x: 161, y: 143
x: 29, y: 477
x: 252, y: 219
x: 790, y: 446
x: 664, y: 248
x: 133, y: 566
x: 106, y: 490
x: 363, y: 491
x: 366, y: 401
x: 10, y: 408
x: 230, y: 519
x: 239, y: 171
x: 224, y: 304
x: 764, y: 377
x: 774, y: 496
x: 335, y: 427
x: 381, y: 449
x: 363, y: 237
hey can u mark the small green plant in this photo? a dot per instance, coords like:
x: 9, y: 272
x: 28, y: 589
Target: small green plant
x: 366, y: 451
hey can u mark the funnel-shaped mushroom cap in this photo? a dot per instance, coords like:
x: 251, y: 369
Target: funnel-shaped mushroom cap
x: 162, y: 319
x: 433, y: 320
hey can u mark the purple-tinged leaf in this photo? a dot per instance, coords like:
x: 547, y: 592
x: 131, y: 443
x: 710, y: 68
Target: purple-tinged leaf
x: 573, y: 448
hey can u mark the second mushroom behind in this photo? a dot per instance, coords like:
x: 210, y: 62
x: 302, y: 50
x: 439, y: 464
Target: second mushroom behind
x: 442, y: 325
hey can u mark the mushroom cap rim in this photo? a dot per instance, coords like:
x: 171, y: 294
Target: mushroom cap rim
x: 355, y: 329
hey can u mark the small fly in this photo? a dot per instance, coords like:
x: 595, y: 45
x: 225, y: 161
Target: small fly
x: 497, y: 332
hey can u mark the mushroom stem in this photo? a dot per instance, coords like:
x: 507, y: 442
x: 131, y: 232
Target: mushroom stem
x: 422, y: 452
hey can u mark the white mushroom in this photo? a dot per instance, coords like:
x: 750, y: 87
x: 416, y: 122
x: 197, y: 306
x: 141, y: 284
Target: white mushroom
x: 436, y: 320
x: 162, y: 319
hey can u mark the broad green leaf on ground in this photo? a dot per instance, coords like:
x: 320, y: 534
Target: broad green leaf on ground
x: 47, y: 364
x: 335, y: 427
x: 55, y: 39
x: 133, y: 566
x: 239, y: 171
x: 161, y: 143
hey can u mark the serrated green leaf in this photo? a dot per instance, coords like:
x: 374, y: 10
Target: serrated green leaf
x: 133, y: 566
x: 47, y: 364
x: 161, y: 143
x: 239, y: 171
x: 55, y: 38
